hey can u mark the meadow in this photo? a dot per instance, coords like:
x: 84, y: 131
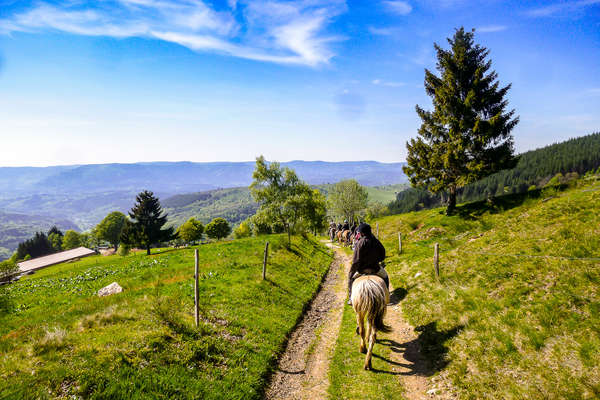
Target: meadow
x: 59, y: 340
x: 515, y: 312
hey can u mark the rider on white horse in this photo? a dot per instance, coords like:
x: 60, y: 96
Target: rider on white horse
x: 368, y: 254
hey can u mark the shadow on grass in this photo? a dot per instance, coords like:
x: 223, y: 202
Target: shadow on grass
x: 398, y: 295
x: 432, y: 343
x: 498, y: 204
x: 423, y: 356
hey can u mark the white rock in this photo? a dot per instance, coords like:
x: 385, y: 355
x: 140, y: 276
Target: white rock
x: 418, y: 274
x: 432, y: 392
x: 110, y: 289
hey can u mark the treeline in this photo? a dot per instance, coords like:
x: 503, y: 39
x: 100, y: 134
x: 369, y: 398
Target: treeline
x: 534, y: 168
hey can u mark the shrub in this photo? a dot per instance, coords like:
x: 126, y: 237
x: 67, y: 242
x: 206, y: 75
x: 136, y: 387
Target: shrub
x: 123, y: 250
x: 242, y: 231
x: 218, y: 228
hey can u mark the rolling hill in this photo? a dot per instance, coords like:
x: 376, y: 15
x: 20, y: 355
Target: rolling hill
x: 515, y: 312
x: 84, y: 194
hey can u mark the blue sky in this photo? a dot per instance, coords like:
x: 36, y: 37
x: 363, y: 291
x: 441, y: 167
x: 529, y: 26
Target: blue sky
x: 149, y: 80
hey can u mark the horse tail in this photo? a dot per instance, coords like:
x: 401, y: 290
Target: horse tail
x: 378, y: 321
x: 370, y: 296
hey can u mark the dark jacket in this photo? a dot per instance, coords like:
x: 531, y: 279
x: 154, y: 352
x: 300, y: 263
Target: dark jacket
x: 346, y: 227
x: 368, y: 253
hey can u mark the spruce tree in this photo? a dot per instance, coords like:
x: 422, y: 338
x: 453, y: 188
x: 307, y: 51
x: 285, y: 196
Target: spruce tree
x: 147, y: 219
x: 467, y: 135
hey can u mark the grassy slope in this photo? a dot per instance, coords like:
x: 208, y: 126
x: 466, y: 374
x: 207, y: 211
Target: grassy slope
x: 499, y: 326
x: 348, y: 379
x: 384, y: 194
x: 60, y: 339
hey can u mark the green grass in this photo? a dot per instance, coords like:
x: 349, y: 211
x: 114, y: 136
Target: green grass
x: 385, y: 194
x: 58, y: 339
x: 512, y: 316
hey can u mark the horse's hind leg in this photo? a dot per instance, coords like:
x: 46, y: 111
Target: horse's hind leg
x: 372, y: 334
x: 360, y: 322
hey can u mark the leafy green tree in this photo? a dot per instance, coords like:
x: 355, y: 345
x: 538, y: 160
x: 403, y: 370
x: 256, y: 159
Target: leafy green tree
x: 147, y: 219
x: 9, y: 267
x: 218, y: 228
x: 56, y: 240
x: 467, y: 135
x: 191, y: 230
x: 54, y: 229
x: 347, y: 199
x: 280, y: 193
x: 110, y: 228
x: 260, y: 225
x: 242, y: 231
x: 71, y: 240
x: 315, y: 211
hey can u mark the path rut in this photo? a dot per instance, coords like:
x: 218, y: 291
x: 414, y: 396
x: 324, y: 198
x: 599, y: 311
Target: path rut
x: 302, y: 372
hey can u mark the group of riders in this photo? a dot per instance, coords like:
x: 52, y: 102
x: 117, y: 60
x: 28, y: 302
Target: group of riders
x: 369, y: 254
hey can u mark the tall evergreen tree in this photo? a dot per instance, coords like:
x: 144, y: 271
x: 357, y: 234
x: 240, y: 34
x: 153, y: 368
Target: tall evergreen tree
x: 467, y: 135
x: 147, y: 219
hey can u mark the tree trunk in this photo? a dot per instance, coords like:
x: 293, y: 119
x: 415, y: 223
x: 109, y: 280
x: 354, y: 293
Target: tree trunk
x: 148, y: 250
x: 289, y: 236
x: 451, y: 201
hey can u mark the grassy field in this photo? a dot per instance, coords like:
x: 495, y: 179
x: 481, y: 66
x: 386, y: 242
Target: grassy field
x: 59, y: 340
x: 515, y: 313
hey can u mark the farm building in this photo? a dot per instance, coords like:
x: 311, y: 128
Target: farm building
x: 56, y: 258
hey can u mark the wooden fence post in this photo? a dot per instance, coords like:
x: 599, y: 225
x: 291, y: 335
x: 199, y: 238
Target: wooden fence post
x: 399, y: 243
x: 436, y: 259
x: 265, y: 261
x: 196, y: 306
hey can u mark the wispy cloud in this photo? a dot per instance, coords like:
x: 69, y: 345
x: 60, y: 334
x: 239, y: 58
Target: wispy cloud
x: 560, y: 8
x: 491, y: 28
x: 398, y: 6
x: 383, y: 31
x: 270, y: 30
x: 380, y: 82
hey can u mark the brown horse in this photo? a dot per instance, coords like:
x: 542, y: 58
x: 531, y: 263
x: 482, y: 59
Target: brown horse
x: 370, y: 297
x: 347, y: 237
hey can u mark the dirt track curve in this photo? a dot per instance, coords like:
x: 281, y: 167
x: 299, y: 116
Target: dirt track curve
x: 302, y: 372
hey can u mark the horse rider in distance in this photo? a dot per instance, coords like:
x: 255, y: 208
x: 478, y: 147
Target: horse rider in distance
x: 368, y: 254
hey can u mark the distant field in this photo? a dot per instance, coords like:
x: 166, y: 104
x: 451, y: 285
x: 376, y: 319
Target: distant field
x: 515, y: 313
x: 59, y: 340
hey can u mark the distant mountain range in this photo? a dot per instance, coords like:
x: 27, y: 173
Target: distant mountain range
x: 180, y: 177
x: 79, y: 196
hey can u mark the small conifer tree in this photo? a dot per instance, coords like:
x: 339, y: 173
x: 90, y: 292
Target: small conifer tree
x: 147, y: 220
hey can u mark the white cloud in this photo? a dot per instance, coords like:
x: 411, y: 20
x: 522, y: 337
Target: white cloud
x: 378, y: 31
x: 398, y: 7
x: 271, y: 31
x: 380, y: 82
x: 560, y: 8
x: 491, y: 28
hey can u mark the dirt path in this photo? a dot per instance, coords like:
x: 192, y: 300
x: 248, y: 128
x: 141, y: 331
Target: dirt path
x: 302, y: 372
x: 406, y: 354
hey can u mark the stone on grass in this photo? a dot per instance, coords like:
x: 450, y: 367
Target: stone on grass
x: 110, y: 289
